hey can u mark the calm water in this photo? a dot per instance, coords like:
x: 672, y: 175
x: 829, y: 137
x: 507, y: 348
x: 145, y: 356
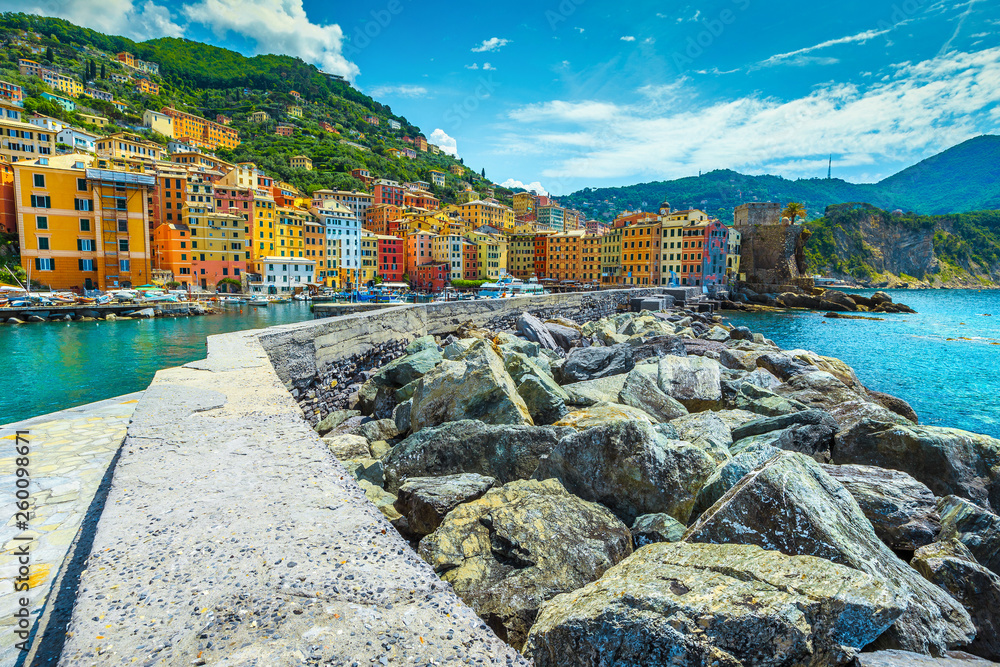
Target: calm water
x: 50, y: 366
x: 944, y: 361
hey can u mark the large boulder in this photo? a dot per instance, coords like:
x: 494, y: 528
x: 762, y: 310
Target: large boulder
x: 743, y: 395
x: 641, y: 391
x: 703, y: 604
x: 837, y: 301
x: 564, y: 336
x: 654, y: 347
x: 603, y: 413
x: 520, y: 545
x: 693, y: 381
x: 405, y: 370
x: 950, y: 565
x: 630, y: 468
x: 474, y: 387
x: 545, y: 402
x: 504, y: 452
x: 796, y: 300
x: 347, y: 446
x: 425, y: 501
x: 948, y: 460
x: 707, y: 431
x: 821, y: 389
x: 895, y: 404
x: 790, y: 504
x: 335, y: 419
x: 592, y: 363
x: 534, y: 330
x: 895, y: 658
x: 591, y: 392
x: 807, y: 431
x: 977, y: 528
x: 729, y: 473
x: 902, y: 511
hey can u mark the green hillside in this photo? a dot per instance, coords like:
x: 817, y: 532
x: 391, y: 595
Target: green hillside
x: 963, y: 178
x: 207, y: 80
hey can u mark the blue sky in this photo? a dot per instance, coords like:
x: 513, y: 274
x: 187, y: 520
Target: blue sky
x: 576, y: 93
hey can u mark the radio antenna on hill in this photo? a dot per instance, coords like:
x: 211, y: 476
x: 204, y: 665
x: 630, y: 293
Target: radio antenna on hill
x: 829, y: 169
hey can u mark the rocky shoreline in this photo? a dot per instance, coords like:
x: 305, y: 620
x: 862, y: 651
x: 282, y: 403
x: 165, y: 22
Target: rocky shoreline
x: 659, y: 488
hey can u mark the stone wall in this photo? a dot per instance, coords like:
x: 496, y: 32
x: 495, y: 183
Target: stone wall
x: 324, y: 361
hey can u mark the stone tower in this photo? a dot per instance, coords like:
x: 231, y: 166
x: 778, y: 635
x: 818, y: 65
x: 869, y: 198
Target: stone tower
x: 771, y: 248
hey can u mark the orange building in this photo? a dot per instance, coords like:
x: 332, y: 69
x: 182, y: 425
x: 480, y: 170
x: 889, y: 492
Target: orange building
x: 590, y: 259
x: 314, y: 237
x: 641, y: 253
x: 172, y: 251
x: 8, y: 207
x: 563, y: 256
x: 421, y: 199
x: 693, y: 238
x: 379, y: 217
x: 419, y: 250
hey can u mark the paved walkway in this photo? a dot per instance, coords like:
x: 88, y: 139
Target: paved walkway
x: 70, y: 454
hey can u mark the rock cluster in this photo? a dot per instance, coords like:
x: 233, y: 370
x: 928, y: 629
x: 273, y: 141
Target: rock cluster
x: 659, y: 488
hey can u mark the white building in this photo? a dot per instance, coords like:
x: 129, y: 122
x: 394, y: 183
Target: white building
x: 394, y: 124
x: 448, y: 249
x: 51, y: 124
x: 343, y: 239
x: 284, y: 274
x: 357, y: 202
x: 79, y: 140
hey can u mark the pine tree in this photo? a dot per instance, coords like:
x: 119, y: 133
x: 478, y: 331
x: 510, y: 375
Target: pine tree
x: 104, y: 73
x: 48, y: 54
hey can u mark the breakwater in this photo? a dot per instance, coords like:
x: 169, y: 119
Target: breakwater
x: 91, y: 312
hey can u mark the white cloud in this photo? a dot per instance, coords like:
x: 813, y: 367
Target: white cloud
x: 398, y: 91
x: 447, y: 144
x: 535, y: 186
x: 918, y: 108
x: 579, y: 30
x: 136, y: 20
x: 792, y: 57
x: 276, y: 26
x: 649, y: 40
x: 487, y: 67
x: 491, y: 44
x: 472, y: 66
x: 628, y: 38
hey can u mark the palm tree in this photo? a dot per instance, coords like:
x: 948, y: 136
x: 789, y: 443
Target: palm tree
x: 794, y: 210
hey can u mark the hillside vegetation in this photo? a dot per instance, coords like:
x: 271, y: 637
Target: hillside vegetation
x: 207, y: 80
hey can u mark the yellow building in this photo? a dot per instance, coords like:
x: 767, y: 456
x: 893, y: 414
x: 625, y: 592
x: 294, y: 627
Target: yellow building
x: 61, y: 82
x: 218, y: 240
x: 83, y: 222
x: 201, y: 131
x: 521, y: 255
x: 291, y: 224
x: 492, y: 255
x: 564, y: 251
x: 590, y: 259
x: 301, y: 162
x: 263, y: 229
x: 295, y: 111
x: 20, y: 140
x: 99, y: 121
x: 129, y: 147
x: 524, y: 203
x: 611, y: 257
x: 369, y: 258
x: 259, y: 117
x: 672, y: 224
x: 640, y: 258
x: 478, y: 213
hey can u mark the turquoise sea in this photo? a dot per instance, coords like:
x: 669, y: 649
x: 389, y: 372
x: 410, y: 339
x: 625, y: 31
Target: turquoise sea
x: 944, y: 361
x: 51, y: 366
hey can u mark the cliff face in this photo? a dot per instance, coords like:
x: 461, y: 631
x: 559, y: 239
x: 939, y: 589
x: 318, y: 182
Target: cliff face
x: 861, y: 243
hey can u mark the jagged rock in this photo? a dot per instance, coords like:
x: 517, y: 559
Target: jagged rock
x: 348, y: 426
x: 951, y: 566
x: 367, y: 469
x: 741, y: 359
x: 521, y: 346
x: 734, y: 418
x: 425, y: 501
x: 518, y: 546
x: 421, y: 344
x: 894, y: 658
x: 474, y: 387
x: 650, y: 528
x: 879, y: 298
x: 379, y: 448
x: 723, y: 605
x: 545, y: 404
x: 534, y: 330
x: 640, y: 391
x: 591, y: 392
x: 717, y: 334
x: 759, y: 400
x: 518, y: 366
x: 630, y: 468
x: 401, y: 416
x: 348, y: 446
x: 400, y: 372
x: 902, y: 511
x: 794, y: 300
x: 694, y: 381
x: 837, y: 301
x: 592, y: 363
x: 707, y: 431
x: 948, y: 460
x: 657, y: 346
x: 789, y: 504
x: 808, y: 431
x: 603, y: 413
x: 833, y: 366
x: 565, y: 337
x: 784, y: 366
x: 704, y: 348
x: 504, y: 452
x: 335, y: 419
x: 820, y: 389
x: 729, y: 473
x: 895, y: 404
x: 457, y: 348
x: 741, y: 333
x: 976, y: 527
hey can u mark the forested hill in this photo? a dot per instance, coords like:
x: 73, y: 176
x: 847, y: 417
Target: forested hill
x: 963, y: 178
x: 208, y: 80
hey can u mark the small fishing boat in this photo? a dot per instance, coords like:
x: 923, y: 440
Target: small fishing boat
x: 258, y: 301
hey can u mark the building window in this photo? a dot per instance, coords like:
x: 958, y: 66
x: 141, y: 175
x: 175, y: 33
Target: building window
x: 123, y: 245
x: 45, y: 264
x: 43, y: 243
x: 82, y: 204
x: 81, y: 184
x: 39, y: 180
x: 123, y: 225
x: 40, y: 201
x: 85, y: 245
x: 124, y: 264
x: 86, y: 264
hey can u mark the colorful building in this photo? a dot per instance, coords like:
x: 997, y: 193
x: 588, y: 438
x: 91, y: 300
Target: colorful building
x: 733, y: 254
x: 420, y: 143
x: 640, y: 258
x: 128, y: 147
x: 492, y: 254
x: 564, y: 251
x: 259, y: 117
x: 20, y: 140
x: 290, y: 223
x: 383, y: 219
x: 524, y: 203
x: 391, y: 258
x: 8, y: 204
x: 83, y: 222
x: 343, y: 243
x: 470, y: 261
x: 301, y: 162
x: 388, y: 192
x: 437, y: 178
x: 433, y: 276
x: 479, y: 213
x: 284, y: 130
x: 355, y: 201
x: 419, y: 250
x: 447, y: 249
x: 284, y: 275
x: 11, y: 92
x: 521, y: 256
x: 294, y: 110
x: 590, y: 258
x: 611, y: 257
x: 713, y: 266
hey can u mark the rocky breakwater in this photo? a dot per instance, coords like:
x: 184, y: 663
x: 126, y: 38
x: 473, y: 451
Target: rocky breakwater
x: 657, y: 488
x: 837, y: 303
